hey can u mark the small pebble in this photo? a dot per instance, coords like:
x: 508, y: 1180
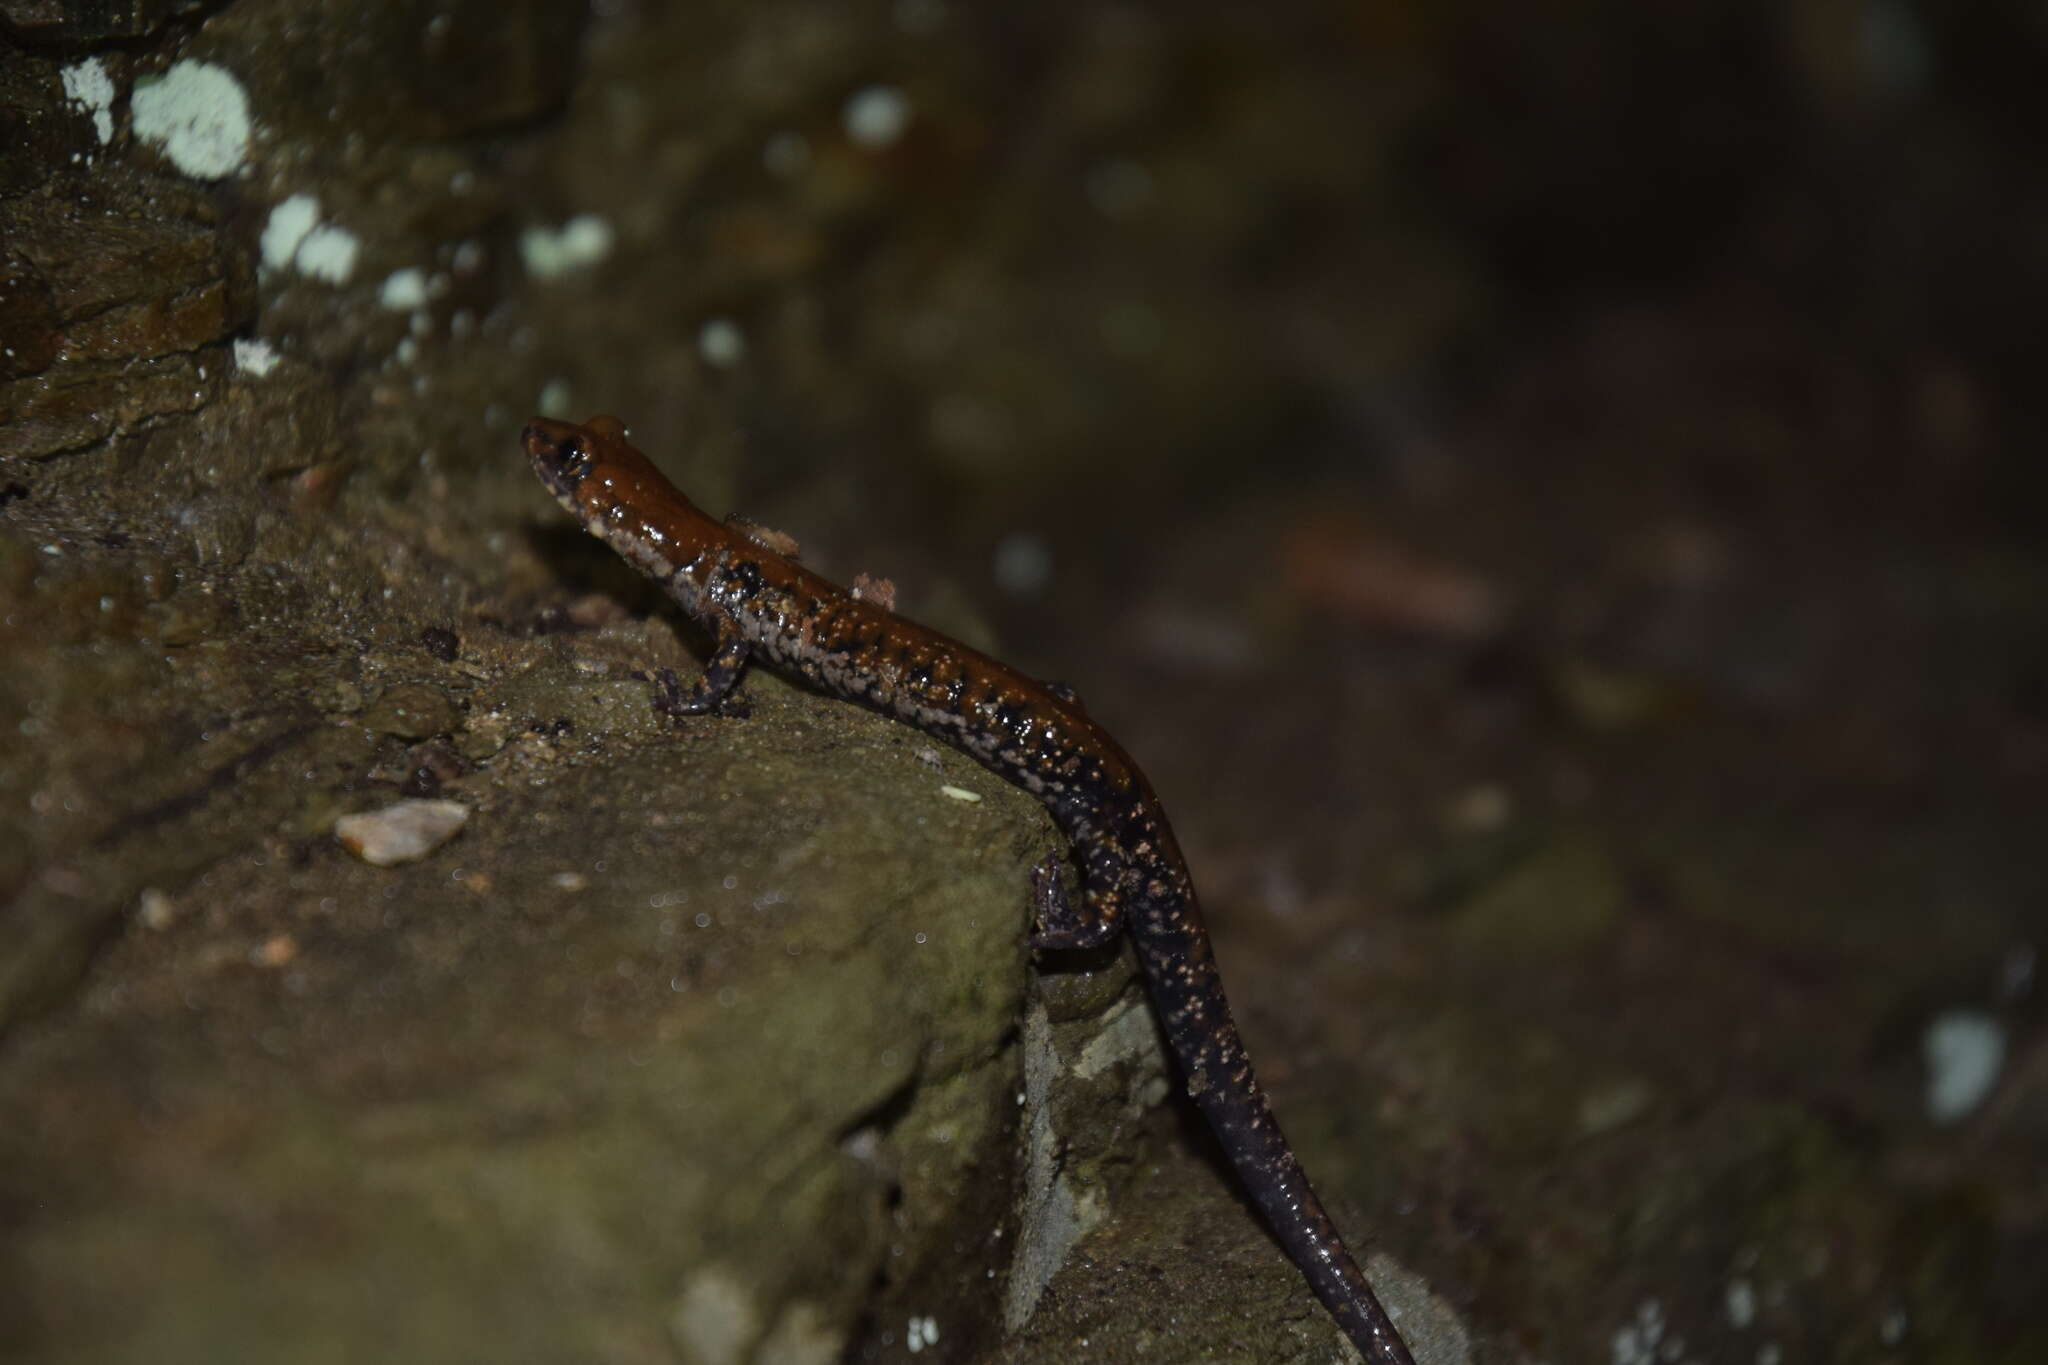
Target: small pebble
x: 403, y: 832
x: 156, y: 909
x: 274, y: 951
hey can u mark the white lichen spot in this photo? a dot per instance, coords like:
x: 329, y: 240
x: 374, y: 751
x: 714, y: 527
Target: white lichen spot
x: 554, y: 399
x: 1964, y: 1051
x: 960, y: 794
x: 403, y: 832
x: 328, y: 253
x: 1636, y: 1343
x: 581, y: 242
x: 287, y: 226
x: 197, y: 113
x: 875, y: 117
x: 254, y: 357
x: 921, y: 1332
x: 721, y: 343
x: 88, y: 86
x: 405, y: 289
x: 1741, y: 1303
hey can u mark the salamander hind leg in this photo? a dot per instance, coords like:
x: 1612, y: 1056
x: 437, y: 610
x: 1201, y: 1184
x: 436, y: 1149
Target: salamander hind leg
x: 713, y: 691
x: 1061, y: 925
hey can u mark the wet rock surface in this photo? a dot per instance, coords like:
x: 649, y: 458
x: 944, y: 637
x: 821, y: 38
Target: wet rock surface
x: 120, y: 293
x: 657, y: 1018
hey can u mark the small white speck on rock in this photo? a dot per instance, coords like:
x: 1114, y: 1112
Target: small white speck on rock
x: 254, y: 357
x: 88, y: 86
x: 876, y: 116
x: 289, y: 222
x: 922, y: 1332
x: 578, y: 244
x: 404, y: 289
x: 721, y: 342
x: 328, y: 253
x: 1741, y: 1303
x: 1964, y: 1051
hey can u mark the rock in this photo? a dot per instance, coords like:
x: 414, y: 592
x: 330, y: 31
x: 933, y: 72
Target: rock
x: 413, y: 711
x: 114, y: 284
x: 401, y: 833
x: 74, y: 24
x: 763, y: 1043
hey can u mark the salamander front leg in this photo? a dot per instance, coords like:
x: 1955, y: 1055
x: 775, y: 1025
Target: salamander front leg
x: 713, y: 691
x: 1061, y: 925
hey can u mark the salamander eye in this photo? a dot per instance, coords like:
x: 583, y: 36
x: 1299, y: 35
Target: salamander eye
x: 575, y: 455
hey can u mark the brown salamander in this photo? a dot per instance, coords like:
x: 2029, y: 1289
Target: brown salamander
x: 760, y: 604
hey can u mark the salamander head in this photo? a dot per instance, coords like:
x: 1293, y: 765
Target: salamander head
x: 599, y: 478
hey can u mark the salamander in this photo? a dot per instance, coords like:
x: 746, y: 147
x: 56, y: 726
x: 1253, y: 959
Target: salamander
x: 759, y: 604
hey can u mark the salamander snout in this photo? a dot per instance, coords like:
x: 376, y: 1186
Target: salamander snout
x: 544, y: 440
x: 560, y: 452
